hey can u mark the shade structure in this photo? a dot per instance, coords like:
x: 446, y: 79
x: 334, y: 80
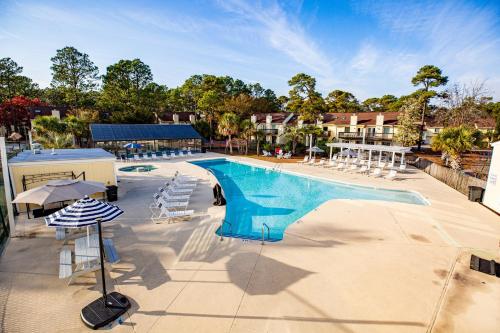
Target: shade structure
x: 132, y: 145
x: 83, y: 213
x: 348, y: 152
x: 59, y: 190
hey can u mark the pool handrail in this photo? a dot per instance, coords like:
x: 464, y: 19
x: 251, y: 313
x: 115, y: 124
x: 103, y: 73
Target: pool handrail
x: 224, y: 221
x: 268, y: 232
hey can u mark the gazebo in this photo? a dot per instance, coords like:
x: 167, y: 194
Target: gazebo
x: 370, y: 148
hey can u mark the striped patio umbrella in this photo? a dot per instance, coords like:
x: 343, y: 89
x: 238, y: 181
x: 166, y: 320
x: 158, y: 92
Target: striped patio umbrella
x: 83, y: 213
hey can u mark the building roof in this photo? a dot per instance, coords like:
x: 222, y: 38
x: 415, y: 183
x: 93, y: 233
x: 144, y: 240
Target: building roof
x: 183, y: 116
x: 47, y: 110
x: 133, y: 132
x: 364, y: 118
x: 277, y: 117
x: 480, y: 122
x: 61, y: 155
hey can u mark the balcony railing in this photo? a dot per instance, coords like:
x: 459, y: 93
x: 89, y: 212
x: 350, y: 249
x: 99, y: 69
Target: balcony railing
x: 270, y: 131
x: 369, y: 136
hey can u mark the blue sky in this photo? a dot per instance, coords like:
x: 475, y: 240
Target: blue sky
x: 369, y: 48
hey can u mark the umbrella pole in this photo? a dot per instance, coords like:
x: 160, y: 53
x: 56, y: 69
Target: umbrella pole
x: 101, y: 256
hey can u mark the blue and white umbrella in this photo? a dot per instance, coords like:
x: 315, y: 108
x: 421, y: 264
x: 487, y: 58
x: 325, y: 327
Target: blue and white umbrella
x: 83, y: 213
x: 132, y: 145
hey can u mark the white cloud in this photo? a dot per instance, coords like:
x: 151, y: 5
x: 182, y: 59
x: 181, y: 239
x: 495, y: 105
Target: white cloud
x: 366, y: 59
x: 457, y: 36
x: 282, y: 32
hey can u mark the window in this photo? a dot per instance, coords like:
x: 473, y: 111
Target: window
x: 347, y: 129
x: 387, y: 130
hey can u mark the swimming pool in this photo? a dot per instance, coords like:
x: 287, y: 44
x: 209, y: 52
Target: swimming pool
x: 138, y: 168
x: 257, y: 196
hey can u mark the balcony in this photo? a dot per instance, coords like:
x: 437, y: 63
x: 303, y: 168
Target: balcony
x: 270, y: 131
x: 368, y: 136
x: 350, y: 135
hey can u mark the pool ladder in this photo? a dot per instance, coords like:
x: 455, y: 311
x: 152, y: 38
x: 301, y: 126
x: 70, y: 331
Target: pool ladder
x: 268, y: 232
x: 277, y: 167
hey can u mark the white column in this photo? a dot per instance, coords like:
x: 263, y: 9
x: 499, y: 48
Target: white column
x: 30, y: 136
x: 403, y: 158
x: 6, y: 183
x: 331, y: 152
x: 393, y: 157
x: 369, y: 159
x: 379, y: 157
x: 310, y: 145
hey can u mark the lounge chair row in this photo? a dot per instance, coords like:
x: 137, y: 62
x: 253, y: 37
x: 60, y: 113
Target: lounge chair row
x: 357, y: 166
x: 155, y: 156
x: 172, y: 199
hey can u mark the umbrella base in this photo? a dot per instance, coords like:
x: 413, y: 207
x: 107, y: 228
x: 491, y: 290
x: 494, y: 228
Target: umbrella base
x: 96, y: 314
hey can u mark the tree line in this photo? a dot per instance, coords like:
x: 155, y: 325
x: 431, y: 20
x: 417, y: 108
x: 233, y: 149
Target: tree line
x: 127, y: 93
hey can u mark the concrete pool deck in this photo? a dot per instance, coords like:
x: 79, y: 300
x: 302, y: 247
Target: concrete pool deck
x: 348, y: 266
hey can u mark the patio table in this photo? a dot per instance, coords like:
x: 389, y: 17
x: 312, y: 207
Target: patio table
x: 87, y: 250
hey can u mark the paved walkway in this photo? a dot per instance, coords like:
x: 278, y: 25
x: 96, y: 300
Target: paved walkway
x: 348, y: 266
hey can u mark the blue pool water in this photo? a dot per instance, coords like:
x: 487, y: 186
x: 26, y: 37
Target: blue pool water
x: 256, y: 196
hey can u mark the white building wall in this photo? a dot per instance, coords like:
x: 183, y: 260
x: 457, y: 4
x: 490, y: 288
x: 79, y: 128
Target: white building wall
x: 492, y: 193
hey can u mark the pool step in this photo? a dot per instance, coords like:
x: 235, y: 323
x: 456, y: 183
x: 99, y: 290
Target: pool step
x: 240, y: 236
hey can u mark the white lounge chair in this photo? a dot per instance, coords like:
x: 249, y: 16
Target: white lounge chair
x: 165, y: 156
x: 391, y: 175
x: 169, y: 214
x: 340, y: 166
x: 180, y: 184
x: 181, y: 153
x: 175, y: 190
x: 147, y: 157
x: 169, y: 196
x: 190, y: 153
x: 377, y: 172
x: 154, y: 156
x: 159, y: 200
x: 402, y: 167
x: 185, y: 179
x: 305, y: 160
x: 330, y: 164
x: 321, y: 163
x: 352, y: 167
x: 287, y: 155
x: 311, y: 161
x: 172, y: 154
x: 137, y: 157
x: 363, y: 169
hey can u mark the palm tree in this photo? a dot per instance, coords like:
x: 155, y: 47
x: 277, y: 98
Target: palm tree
x: 454, y: 141
x: 228, y: 126
x: 247, y: 129
x: 56, y: 140
x: 258, y: 135
x: 293, y: 134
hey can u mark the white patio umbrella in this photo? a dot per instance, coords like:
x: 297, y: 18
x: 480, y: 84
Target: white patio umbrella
x: 59, y: 190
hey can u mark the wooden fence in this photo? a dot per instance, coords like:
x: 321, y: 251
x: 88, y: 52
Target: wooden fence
x: 455, y: 179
